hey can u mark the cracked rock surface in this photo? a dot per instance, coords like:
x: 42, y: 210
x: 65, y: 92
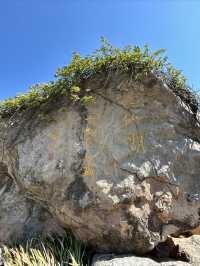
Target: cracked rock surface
x: 122, y: 173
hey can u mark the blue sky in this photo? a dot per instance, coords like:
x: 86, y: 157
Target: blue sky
x: 38, y: 36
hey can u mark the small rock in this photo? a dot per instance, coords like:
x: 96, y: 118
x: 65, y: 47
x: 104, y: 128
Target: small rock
x: 190, y: 247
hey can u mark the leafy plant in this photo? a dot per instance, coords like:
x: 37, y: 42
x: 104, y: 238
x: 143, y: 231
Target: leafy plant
x: 138, y: 62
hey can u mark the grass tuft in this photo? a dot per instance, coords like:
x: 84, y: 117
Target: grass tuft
x: 59, y: 251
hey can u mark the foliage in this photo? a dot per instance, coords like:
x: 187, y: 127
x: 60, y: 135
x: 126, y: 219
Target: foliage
x: 51, y: 251
x: 131, y: 59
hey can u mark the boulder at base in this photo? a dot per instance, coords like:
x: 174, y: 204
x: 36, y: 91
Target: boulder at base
x: 111, y: 260
x: 122, y: 173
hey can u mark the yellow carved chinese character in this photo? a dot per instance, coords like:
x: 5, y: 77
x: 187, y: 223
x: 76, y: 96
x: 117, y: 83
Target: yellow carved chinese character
x: 90, y: 135
x: 135, y: 105
x: 88, y: 171
x: 129, y: 119
x: 88, y: 158
x: 136, y: 142
x: 90, y: 132
x: 92, y: 119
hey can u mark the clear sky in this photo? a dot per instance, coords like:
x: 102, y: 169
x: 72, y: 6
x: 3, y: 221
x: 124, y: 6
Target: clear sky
x: 38, y: 36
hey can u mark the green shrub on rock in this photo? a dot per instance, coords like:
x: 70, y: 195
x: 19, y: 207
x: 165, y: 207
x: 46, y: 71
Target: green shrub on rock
x: 107, y: 59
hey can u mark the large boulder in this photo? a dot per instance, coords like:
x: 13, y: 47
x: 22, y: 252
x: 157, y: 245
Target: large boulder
x: 122, y: 172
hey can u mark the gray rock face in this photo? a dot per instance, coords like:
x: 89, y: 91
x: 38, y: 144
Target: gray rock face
x: 21, y: 218
x: 122, y: 173
x: 111, y: 260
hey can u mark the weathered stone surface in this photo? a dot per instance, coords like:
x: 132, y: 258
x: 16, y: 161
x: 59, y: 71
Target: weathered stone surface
x: 21, y: 218
x: 111, y: 260
x: 122, y: 173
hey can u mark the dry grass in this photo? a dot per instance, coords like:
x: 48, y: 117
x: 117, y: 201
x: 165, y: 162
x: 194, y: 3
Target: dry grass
x: 52, y: 252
